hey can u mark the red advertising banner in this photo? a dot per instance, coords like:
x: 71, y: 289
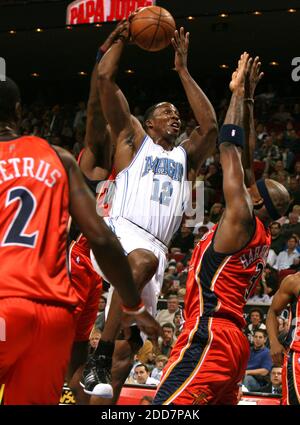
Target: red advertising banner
x: 93, y: 11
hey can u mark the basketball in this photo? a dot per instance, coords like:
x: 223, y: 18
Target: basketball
x: 152, y: 28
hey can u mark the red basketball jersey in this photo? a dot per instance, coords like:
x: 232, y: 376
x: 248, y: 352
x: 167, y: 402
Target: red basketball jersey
x: 219, y: 284
x: 34, y: 199
x: 103, y: 205
x: 293, y: 337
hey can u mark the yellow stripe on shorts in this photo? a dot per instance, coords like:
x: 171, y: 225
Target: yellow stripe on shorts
x: 1, y: 392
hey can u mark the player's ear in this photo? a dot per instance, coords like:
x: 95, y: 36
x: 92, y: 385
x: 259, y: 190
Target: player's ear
x: 18, y: 111
x: 148, y: 124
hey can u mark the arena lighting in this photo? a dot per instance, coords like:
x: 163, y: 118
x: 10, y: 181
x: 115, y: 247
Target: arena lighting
x: 69, y: 28
x: 129, y: 71
x: 223, y: 66
x: 35, y: 75
x: 82, y: 73
x: 274, y: 63
x: 39, y: 30
x: 190, y: 18
x: 12, y: 32
x: 98, y: 25
x: 199, y: 15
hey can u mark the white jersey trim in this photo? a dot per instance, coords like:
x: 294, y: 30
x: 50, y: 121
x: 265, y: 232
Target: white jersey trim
x: 186, y: 162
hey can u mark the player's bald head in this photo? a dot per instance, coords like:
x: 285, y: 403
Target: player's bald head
x: 279, y: 195
x: 274, y: 201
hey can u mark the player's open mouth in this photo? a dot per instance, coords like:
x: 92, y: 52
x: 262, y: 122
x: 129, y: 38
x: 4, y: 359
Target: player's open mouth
x: 175, y: 125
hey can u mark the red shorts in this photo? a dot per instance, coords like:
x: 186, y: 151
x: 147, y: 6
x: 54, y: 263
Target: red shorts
x: 206, y: 365
x: 88, y: 287
x: 291, y: 379
x: 35, y: 346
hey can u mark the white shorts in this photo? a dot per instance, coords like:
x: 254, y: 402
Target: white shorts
x: 133, y: 237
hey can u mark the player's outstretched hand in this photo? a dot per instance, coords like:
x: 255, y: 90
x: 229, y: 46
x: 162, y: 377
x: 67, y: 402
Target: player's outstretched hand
x: 145, y: 322
x: 237, y: 83
x: 180, y: 43
x: 277, y: 351
x: 132, y: 14
x: 121, y: 31
x: 253, y: 76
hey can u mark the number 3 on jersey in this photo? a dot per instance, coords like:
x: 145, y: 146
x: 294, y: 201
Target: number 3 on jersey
x: 15, y: 234
x: 163, y: 193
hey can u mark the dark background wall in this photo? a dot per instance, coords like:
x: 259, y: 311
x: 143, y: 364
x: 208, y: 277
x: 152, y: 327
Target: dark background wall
x: 58, y: 54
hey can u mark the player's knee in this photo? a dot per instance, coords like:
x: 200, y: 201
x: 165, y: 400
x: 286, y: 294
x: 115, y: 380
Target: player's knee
x: 144, y: 270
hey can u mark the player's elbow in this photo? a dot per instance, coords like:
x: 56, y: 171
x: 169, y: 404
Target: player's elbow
x: 211, y: 135
x: 100, y: 236
x: 210, y: 127
x: 104, y: 74
x: 105, y: 246
x: 209, y: 130
x: 93, y: 105
x: 273, y: 312
x: 213, y: 127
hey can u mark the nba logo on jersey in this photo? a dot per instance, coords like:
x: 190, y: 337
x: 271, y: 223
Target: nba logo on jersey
x: 2, y: 329
x: 233, y: 133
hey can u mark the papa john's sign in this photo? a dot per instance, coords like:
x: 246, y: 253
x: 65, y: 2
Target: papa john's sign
x: 92, y: 11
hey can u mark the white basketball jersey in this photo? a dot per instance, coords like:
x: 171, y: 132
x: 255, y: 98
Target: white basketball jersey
x: 153, y: 190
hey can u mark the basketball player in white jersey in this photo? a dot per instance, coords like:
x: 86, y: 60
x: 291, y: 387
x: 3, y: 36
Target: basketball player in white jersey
x: 149, y: 198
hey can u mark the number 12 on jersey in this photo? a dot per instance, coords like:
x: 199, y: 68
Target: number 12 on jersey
x: 162, y: 192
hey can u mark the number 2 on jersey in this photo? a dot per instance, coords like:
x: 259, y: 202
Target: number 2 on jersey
x: 15, y: 235
x: 257, y: 275
x: 163, y: 193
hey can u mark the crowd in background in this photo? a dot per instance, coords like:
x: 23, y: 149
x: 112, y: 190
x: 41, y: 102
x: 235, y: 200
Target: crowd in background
x: 277, y: 156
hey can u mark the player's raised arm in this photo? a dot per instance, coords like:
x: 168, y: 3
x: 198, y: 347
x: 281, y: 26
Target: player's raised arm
x: 253, y: 76
x: 97, y: 153
x: 96, y: 159
x: 116, y: 110
x: 289, y: 288
x: 237, y: 223
x: 202, y: 141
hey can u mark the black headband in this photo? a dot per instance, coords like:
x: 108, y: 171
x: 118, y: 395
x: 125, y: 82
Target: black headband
x: 264, y: 193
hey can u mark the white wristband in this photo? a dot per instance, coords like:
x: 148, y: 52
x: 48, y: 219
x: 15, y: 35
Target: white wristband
x: 136, y: 312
